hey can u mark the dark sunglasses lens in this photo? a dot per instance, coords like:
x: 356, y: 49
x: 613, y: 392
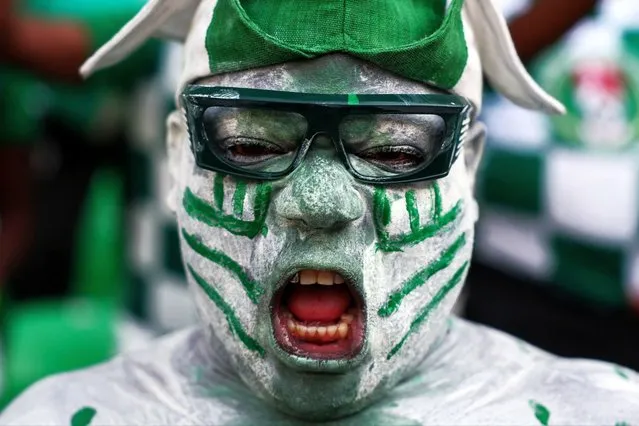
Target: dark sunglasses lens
x: 254, y: 139
x: 392, y: 145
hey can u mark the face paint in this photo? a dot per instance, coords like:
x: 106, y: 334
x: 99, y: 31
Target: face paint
x: 394, y: 257
x: 542, y: 414
x: 417, y: 233
x: 215, y: 216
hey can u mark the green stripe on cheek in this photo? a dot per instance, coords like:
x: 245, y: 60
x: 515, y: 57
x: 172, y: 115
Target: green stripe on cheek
x: 432, y: 305
x: 382, y: 218
x: 413, y: 212
x: 437, y: 204
x: 252, y: 288
x: 202, y: 211
x: 420, y: 278
x: 231, y: 318
x: 238, y: 199
x: 218, y: 191
x: 382, y: 207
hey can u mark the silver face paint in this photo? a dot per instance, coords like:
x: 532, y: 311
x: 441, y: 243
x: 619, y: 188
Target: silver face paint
x: 231, y: 373
x: 320, y: 218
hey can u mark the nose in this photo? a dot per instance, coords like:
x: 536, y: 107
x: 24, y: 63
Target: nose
x: 320, y: 195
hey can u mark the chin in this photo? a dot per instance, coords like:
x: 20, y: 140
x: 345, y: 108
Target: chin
x: 319, y: 397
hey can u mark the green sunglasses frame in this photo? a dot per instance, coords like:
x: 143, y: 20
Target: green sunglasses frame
x: 323, y: 114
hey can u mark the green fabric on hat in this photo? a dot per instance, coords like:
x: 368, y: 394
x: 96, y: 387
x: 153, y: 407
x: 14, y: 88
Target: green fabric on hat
x: 417, y: 39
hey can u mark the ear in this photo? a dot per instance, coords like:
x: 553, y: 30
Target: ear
x: 175, y: 140
x: 474, y: 149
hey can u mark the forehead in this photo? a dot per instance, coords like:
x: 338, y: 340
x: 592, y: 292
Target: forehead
x: 336, y: 73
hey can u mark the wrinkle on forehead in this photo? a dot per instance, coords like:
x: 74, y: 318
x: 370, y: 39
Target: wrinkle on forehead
x: 330, y: 74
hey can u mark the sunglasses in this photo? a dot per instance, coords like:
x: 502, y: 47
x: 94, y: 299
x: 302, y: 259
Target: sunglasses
x: 380, y: 139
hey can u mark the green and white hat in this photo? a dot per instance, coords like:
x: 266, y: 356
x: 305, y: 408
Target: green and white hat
x: 445, y: 44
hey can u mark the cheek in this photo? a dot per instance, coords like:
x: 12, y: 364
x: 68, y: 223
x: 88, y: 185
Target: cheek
x: 421, y: 257
x: 223, y: 225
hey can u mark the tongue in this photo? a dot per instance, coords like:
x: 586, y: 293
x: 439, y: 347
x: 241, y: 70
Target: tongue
x: 318, y: 303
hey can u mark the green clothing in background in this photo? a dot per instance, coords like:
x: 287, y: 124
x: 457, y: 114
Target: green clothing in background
x: 95, y: 107
x: 158, y: 293
x: 560, y: 195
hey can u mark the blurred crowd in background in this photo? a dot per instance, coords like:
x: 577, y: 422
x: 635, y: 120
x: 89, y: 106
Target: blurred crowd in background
x: 89, y: 257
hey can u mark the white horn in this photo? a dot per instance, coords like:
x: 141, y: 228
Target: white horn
x: 158, y: 18
x: 500, y: 61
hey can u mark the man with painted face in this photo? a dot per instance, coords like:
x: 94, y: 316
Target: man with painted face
x: 323, y: 156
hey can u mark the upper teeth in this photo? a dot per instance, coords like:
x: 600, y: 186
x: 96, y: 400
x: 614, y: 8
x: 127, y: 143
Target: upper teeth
x: 311, y: 276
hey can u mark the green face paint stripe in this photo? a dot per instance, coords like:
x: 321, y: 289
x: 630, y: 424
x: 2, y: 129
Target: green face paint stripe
x: 83, y: 416
x: 260, y: 205
x: 234, y: 323
x: 541, y: 413
x: 202, y: 211
x: 252, y: 288
x: 413, y: 212
x: 437, y: 203
x: 417, y: 280
x: 353, y: 99
x: 382, y: 217
x: 622, y: 424
x: 424, y: 314
x: 238, y: 199
x: 218, y: 191
x: 382, y: 208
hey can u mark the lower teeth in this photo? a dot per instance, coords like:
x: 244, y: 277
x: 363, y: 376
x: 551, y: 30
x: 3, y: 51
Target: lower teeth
x: 320, y: 333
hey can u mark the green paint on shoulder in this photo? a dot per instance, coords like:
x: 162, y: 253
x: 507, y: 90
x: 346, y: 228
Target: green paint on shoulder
x: 621, y: 373
x: 83, y: 416
x: 622, y: 424
x: 383, y: 207
x: 523, y: 346
x: 353, y: 99
x: 541, y: 413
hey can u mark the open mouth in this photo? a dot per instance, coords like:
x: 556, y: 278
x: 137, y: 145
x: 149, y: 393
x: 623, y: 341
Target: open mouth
x: 319, y: 315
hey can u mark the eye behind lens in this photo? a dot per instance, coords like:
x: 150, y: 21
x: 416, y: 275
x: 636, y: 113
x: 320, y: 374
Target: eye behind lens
x: 250, y: 151
x: 394, y: 159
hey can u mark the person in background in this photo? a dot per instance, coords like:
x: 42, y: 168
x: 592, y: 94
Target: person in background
x: 67, y: 46
x: 72, y: 128
x: 64, y: 185
x: 557, y: 253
